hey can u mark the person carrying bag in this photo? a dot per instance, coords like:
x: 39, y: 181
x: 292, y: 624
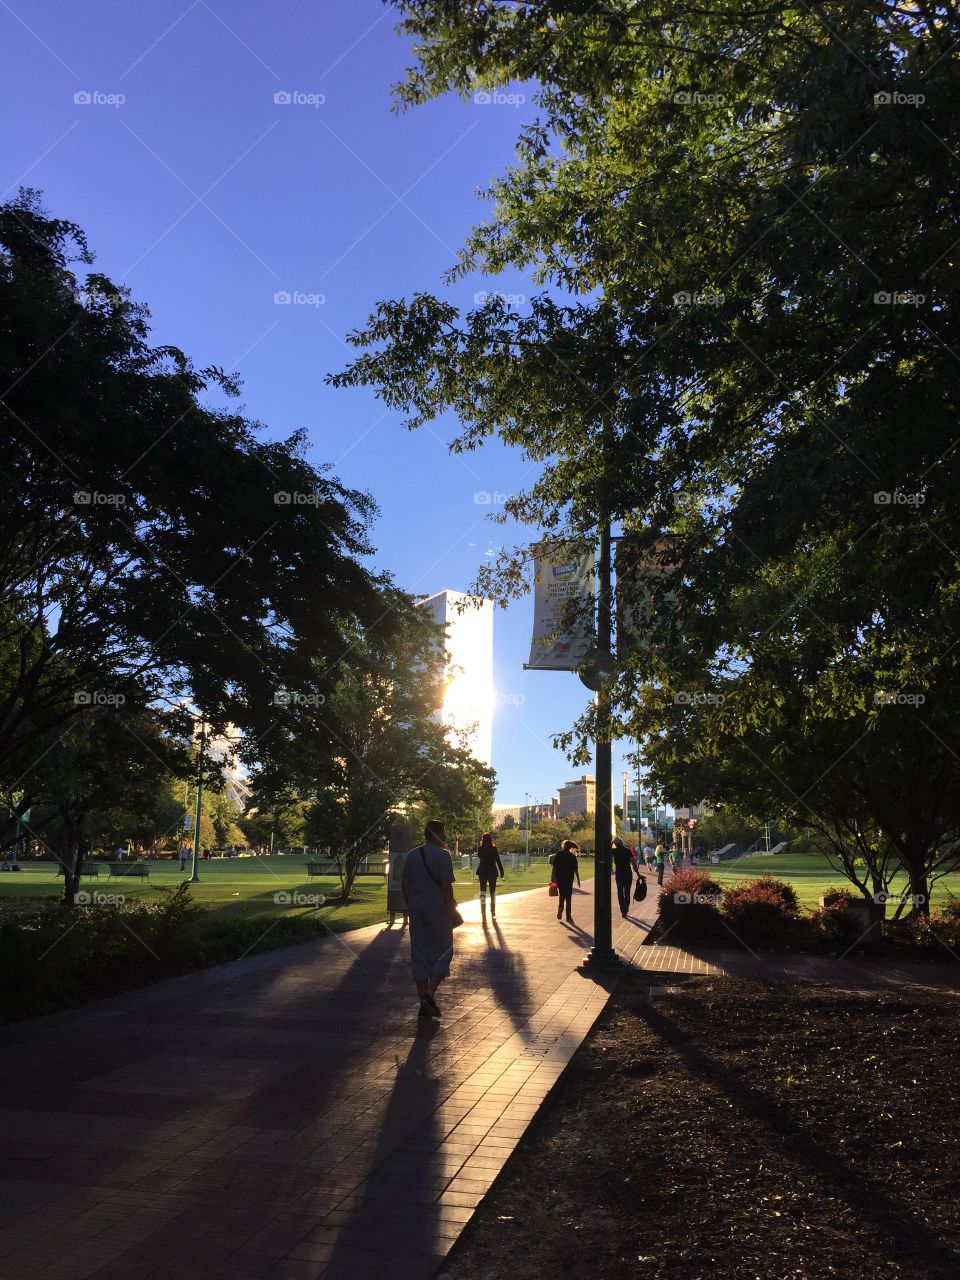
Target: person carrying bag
x: 433, y: 914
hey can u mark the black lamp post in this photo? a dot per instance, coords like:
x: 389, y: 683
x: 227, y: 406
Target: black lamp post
x: 598, y: 671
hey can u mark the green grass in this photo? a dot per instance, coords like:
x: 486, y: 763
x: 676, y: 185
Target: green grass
x: 246, y: 887
x: 810, y: 875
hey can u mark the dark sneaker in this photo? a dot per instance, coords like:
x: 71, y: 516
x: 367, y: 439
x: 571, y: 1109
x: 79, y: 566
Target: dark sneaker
x: 427, y: 1002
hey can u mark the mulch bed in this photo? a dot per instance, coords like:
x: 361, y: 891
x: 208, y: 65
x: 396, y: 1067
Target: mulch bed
x: 732, y: 1130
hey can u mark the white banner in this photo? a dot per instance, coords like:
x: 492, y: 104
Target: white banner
x: 564, y: 585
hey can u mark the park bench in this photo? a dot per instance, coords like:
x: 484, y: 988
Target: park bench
x: 369, y: 867
x: 88, y: 869
x: 139, y: 870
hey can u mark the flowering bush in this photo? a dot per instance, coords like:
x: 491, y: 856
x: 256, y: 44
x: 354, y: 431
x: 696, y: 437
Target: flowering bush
x: 688, y: 905
x: 761, y: 913
x: 780, y: 888
x: 838, y: 896
x: 937, y: 935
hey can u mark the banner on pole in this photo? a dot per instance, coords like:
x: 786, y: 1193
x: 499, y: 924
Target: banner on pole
x: 563, y: 604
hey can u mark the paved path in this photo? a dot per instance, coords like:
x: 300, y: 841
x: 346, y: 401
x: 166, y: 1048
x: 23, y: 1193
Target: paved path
x: 286, y: 1117
x: 853, y: 973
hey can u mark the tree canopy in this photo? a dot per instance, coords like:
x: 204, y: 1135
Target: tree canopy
x: 743, y: 219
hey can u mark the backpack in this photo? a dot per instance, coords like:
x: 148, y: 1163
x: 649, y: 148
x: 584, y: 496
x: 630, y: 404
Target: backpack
x: 640, y: 889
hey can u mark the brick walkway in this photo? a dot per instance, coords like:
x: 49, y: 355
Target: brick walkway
x: 286, y: 1116
x: 855, y: 974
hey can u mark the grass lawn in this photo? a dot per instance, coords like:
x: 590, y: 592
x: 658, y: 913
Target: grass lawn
x: 246, y: 887
x: 809, y: 874
x: 718, y: 1129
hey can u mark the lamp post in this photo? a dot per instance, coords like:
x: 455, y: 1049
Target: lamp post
x: 602, y: 955
x: 195, y: 877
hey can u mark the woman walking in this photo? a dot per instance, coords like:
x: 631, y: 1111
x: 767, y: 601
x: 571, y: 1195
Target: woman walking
x: 489, y: 869
x: 565, y: 868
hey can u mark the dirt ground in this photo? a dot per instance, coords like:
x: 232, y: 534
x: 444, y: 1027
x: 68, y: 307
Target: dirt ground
x: 717, y: 1129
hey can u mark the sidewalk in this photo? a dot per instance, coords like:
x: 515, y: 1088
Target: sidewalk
x: 853, y: 973
x: 287, y: 1117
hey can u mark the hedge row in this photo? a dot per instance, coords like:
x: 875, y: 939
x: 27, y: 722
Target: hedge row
x: 765, y: 913
x: 65, y: 955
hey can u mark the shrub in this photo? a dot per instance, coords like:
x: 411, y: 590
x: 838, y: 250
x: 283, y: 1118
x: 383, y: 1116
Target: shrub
x: 935, y: 938
x: 65, y: 955
x: 838, y: 896
x: 784, y: 891
x: 760, y: 914
x: 949, y: 912
x: 840, y: 930
x: 688, y: 906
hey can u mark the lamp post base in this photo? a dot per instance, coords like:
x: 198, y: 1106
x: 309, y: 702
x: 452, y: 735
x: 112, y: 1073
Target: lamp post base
x: 602, y: 959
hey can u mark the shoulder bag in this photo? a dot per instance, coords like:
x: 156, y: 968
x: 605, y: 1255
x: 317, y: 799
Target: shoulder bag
x: 456, y: 919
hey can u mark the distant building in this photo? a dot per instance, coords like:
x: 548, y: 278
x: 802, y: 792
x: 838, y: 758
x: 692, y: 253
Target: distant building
x: 503, y: 811
x: 469, y: 697
x: 579, y: 796
x: 547, y: 810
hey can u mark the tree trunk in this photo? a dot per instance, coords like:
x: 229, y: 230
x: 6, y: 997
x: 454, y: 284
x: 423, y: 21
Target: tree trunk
x: 72, y: 862
x: 76, y: 849
x: 919, y: 889
x: 348, y: 873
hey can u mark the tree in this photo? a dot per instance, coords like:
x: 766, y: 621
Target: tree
x: 393, y: 756
x: 275, y: 819
x: 154, y: 546
x: 97, y: 767
x: 745, y: 207
x: 460, y: 791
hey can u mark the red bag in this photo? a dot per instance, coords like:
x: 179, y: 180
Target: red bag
x: 554, y: 891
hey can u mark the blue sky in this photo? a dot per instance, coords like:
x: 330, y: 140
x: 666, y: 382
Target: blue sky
x: 155, y: 127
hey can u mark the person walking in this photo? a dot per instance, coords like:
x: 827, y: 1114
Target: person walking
x: 676, y: 858
x: 565, y: 869
x: 624, y: 865
x: 184, y: 855
x: 489, y: 868
x: 428, y: 892
x: 659, y: 860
